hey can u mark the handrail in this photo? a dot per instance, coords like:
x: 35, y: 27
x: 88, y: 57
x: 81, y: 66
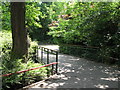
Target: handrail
x: 28, y: 69
x: 49, y: 51
x: 80, y: 46
x: 46, y: 50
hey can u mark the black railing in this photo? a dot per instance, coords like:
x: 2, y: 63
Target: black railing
x: 48, y: 52
x: 98, y: 54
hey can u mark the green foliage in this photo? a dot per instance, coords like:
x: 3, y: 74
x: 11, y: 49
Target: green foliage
x: 32, y: 15
x: 23, y: 78
x: 12, y: 66
x: 5, y: 16
x: 94, y: 54
x: 5, y: 37
x: 91, y: 24
x: 85, y: 21
x: 32, y: 51
x: 83, y: 52
x: 36, y: 19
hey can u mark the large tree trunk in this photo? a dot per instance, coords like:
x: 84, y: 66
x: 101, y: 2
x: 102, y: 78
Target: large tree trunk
x: 19, y: 33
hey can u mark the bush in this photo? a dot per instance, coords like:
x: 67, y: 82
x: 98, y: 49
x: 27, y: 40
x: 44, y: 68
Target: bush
x: 11, y: 66
x: 22, y: 78
x: 32, y: 51
x: 103, y: 55
x: 5, y: 37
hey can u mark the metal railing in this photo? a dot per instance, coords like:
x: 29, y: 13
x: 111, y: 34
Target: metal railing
x: 50, y: 70
x: 88, y: 52
x: 23, y: 71
x: 48, y: 52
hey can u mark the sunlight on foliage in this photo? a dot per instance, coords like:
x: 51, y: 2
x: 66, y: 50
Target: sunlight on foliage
x: 5, y: 37
x: 12, y: 66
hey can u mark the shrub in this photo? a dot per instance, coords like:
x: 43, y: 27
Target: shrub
x: 22, y: 78
x: 12, y: 66
x: 5, y: 37
x: 32, y: 51
x: 103, y: 55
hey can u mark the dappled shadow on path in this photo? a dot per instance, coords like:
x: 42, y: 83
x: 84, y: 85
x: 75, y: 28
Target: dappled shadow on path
x: 80, y: 73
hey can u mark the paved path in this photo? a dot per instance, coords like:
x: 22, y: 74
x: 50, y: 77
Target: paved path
x: 77, y: 72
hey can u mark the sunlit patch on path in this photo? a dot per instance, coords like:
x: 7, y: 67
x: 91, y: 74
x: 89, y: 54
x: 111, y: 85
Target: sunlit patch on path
x: 77, y: 72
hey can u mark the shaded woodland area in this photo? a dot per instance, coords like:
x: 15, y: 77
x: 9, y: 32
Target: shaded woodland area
x: 85, y: 29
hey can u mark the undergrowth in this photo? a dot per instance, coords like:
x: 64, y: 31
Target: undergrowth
x: 16, y: 81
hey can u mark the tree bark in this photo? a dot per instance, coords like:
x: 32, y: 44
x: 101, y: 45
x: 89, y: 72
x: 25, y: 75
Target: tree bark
x: 19, y: 33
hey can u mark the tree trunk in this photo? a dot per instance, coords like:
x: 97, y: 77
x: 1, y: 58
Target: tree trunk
x: 19, y: 33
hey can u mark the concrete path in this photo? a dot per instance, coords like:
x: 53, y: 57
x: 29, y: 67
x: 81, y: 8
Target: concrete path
x: 78, y: 73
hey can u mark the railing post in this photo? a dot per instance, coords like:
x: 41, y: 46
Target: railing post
x: 47, y: 56
x: 52, y: 69
x: 57, y: 61
x: 37, y: 53
x: 47, y: 62
x: 23, y: 79
x: 41, y: 54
